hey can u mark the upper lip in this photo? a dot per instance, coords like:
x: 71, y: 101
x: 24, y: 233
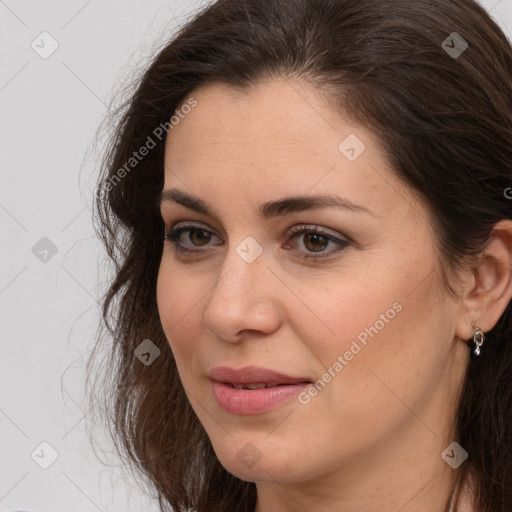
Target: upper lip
x: 252, y: 375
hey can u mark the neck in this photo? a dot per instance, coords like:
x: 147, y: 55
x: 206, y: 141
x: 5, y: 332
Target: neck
x: 409, y: 485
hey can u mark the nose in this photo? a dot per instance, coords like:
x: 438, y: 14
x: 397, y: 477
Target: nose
x: 244, y: 300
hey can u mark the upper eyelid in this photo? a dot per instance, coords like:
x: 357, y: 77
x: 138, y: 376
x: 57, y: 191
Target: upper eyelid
x: 190, y: 225
x: 186, y: 226
x: 341, y: 241
x: 300, y: 229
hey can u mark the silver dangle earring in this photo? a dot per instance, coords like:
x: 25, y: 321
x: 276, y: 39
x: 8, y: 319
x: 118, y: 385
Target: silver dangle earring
x: 478, y: 339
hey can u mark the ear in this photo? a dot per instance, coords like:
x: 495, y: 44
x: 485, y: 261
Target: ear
x: 489, y: 287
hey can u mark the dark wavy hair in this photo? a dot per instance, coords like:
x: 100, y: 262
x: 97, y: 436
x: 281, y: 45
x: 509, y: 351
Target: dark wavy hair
x: 445, y: 122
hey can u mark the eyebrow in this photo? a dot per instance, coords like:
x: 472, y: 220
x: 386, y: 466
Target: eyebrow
x: 281, y: 207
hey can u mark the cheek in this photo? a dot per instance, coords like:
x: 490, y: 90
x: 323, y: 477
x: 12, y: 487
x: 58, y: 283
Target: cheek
x: 392, y: 323
x: 360, y: 310
x: 393, y: 344
x: 179, y: 306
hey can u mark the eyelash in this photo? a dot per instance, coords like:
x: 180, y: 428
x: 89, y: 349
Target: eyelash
x: 174, y: 235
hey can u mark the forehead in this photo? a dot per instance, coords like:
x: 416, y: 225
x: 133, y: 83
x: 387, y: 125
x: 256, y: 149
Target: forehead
x: 275, y: 113
x: 276, y: 138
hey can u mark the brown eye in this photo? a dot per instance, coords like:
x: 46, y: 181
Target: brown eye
x: 313, y: 239
x: 315, y: 242
x: 199, y: 237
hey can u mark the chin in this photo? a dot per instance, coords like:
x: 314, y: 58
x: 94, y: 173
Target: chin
x: 252, y: 464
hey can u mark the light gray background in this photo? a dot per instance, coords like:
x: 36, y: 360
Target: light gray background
x: 50, y: 110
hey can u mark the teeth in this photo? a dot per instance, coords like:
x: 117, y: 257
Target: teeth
x: 251, y: 386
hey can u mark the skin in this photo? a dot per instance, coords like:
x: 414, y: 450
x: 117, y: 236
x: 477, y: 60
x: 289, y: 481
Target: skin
x: 372, y: 438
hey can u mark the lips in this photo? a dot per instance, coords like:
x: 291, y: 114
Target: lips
x: 252, y: 376
x: 253, y: 390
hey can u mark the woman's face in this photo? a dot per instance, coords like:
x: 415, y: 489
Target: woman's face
x: 366, y: 323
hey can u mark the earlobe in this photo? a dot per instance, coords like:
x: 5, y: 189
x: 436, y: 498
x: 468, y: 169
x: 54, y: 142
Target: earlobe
x: 489, y: 289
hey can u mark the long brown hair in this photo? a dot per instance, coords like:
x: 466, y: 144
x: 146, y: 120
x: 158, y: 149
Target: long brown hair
x: 443, y: 114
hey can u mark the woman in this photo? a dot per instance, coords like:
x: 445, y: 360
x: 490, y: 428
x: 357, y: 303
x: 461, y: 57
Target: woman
x: 308, y: 202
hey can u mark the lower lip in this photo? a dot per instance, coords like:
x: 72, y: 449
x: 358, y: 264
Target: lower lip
x: 253, y: 401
